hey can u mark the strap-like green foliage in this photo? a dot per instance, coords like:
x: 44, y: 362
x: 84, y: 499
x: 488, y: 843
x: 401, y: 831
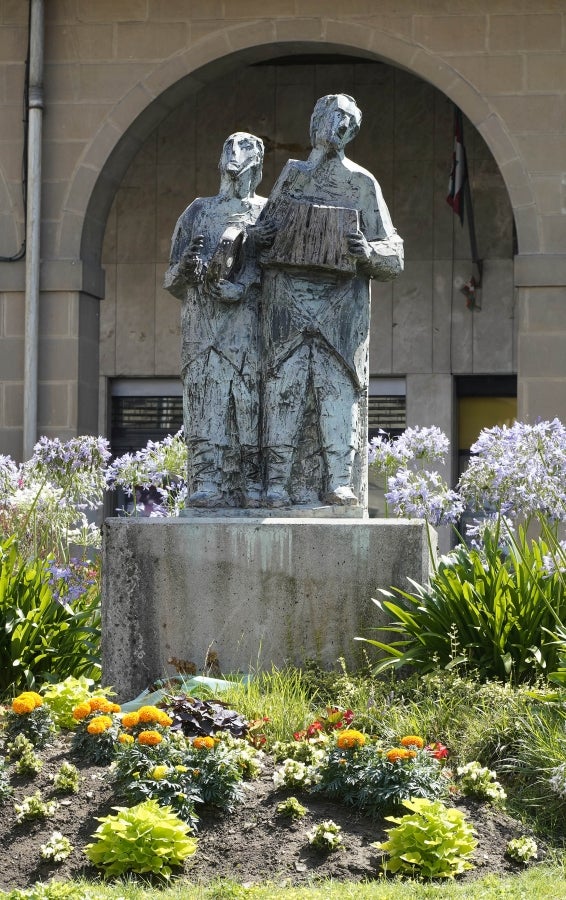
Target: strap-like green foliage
x: 432, y: 841
x: 40, y: 638
x: 145, y: 838
x: 498, y: 613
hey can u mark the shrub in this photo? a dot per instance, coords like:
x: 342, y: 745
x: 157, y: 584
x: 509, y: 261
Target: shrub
x: 42, y: 639
x: 29, y: 718
x: 431, y: 841
x: 326, y: 836
x: 374, y: 781
x: 492, y: 611
x: 145, y: 838
x: 478, y: 781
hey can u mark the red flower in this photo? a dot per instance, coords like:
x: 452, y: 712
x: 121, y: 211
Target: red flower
x: 438, y: 750
x: 313, y: 729
x: 299, y: 735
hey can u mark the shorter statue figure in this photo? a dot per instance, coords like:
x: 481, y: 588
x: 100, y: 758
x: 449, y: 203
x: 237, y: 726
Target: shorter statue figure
x: 325, y: 231
x: 213, y: 272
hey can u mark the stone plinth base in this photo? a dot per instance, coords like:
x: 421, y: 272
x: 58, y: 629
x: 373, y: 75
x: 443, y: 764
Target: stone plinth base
x: 256, y: 591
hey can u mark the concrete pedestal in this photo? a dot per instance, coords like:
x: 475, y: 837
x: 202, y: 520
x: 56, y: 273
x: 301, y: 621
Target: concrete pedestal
x: 256, y: 591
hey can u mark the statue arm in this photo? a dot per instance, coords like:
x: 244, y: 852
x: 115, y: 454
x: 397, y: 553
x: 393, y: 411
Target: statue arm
x: 377, y: 246
x: 186, y: 265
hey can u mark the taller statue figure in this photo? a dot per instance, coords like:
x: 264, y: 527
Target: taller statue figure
x: 215, y: 275
x: 325, y: 232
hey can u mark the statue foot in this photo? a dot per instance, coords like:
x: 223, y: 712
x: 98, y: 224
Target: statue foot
x: 253, y: 499
x: 276, y: 497
x: 207, y: 499
x: 341, y: 496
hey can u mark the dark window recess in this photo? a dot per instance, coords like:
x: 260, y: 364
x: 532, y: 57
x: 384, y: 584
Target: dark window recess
x: 387, y: 413
x: 137, y: 420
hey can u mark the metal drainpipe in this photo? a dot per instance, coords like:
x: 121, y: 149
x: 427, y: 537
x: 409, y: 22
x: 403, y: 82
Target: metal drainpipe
x: 33, y: 254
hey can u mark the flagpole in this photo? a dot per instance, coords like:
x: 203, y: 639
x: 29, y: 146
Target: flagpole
x: 476, y: 261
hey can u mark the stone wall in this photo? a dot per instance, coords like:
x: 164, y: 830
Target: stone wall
x: 117, y: 71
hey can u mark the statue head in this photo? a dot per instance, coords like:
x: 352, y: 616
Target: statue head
x: 335, y: 121
x: 242, y: 152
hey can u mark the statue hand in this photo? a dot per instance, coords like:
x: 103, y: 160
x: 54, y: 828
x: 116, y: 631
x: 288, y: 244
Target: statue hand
x: 359, y: 247
x: 225, y: 291
x: 192, y: 264
x: 262, y: 235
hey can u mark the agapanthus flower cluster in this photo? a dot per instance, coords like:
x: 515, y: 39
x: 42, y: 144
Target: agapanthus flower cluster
x: 423, y: 495
x: 519, y: 470
x: 161, y: 465
x: 418, y: 444
x: 77, y: 466
x: 9, y: 478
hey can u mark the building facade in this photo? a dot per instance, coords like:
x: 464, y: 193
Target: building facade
x: 138, y: 97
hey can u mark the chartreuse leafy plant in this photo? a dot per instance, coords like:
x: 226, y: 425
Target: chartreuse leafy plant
x: 431, y: 841
x: 144, y: 838
x: 63, y: 696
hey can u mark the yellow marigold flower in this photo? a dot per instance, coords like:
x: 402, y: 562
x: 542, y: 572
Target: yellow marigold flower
x: 412, y: 740
x: 33, y: 695
x: 115, y: 708
x: 350, y: 738
x: 100, y: 704
x: 22, y: 705
x: 181, y: 769
x: 99, y: 724
x: 130, y: 719
x: 203, y: 743
x: 163, y: 719
x: 410, y: 754
x: 149, y: 713
x: 158, y: 772
x: 150, y: 738
x: 81, y: 711
x: 126, y: 739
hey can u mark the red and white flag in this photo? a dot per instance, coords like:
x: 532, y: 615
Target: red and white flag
x: 459, y: 173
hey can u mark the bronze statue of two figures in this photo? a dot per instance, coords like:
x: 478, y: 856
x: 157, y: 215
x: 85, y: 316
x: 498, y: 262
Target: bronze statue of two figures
x: 275, y: 322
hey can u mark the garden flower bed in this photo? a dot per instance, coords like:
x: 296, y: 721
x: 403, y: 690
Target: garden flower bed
x: 253, y: 843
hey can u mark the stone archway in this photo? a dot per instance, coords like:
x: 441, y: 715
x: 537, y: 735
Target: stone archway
x: 106, y: 159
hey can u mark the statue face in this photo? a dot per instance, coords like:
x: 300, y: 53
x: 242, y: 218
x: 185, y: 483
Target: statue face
x: 241, y: 152
x: 337, y: 124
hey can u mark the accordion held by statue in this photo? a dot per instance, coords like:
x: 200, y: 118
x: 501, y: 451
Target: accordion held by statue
x: 313, y: 236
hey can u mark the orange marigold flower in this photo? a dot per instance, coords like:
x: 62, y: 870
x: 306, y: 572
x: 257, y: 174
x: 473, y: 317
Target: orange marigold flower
x: 203, y: 743
x: 100, y: 704
x: 22, y: 705
x: 412, y: 740
x: 81, y: 711
x: 396, y: 754
x: 350, y: 738
x: 115, y: 708
x: 33, y: 695
x: 149, y: 713
x: 99, y: 725
x: 150, y: 738
x: 125, y: 739
x: 130, y: 719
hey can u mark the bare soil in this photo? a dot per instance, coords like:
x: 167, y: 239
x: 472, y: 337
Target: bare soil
x: 252, y: 844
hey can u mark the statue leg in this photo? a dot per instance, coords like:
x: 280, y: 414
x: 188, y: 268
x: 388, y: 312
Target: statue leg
x: 245, y: 392
x: 205, y: 413
x: 338, y: 402
x: 285, y: 397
